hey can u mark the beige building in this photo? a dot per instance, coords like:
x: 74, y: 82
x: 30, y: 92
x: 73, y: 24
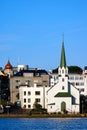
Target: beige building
x: 27, y: 77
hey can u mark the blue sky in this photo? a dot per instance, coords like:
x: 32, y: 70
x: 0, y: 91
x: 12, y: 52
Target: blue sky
x: 31, y: 32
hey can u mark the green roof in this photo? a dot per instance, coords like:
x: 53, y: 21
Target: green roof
x: 63, y: 94
x: 51, y: 104
x: 63, y: 58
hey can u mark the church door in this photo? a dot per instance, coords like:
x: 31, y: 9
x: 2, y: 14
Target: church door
x: 63, y: 106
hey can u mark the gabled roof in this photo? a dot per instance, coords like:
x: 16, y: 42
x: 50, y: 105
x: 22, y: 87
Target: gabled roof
x: 63, y: 94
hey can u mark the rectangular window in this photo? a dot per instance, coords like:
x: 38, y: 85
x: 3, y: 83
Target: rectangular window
x: 77, y: 83
x: 24, y: 93
x: 29, y: 100
x: 37, y: 93
x: 77, y: 78
x: 71, y: 77
x: 81, y: 78
x: 29, y: 106
x: 24, y: 100
x: 29, y: 93
x: 37, y: 100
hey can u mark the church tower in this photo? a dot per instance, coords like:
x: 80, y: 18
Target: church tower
x: 63, y: 71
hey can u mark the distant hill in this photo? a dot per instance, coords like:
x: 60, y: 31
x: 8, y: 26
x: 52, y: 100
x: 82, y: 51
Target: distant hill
x: 71, y: 69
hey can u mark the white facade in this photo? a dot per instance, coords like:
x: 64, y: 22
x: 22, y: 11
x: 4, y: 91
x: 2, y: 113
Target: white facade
x: 63, y: 96
x: 28, y: 96
x: 63, y: 93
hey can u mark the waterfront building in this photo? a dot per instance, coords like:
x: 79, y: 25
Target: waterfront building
x: 29, y: 95
x: 27, y: 77
x: 63, y: 95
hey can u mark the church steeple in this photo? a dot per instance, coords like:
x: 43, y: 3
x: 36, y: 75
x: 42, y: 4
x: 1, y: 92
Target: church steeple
x: 63, y: 58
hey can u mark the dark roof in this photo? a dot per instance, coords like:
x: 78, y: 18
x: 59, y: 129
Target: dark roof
x: 63, y: 94
x: 35, y: 72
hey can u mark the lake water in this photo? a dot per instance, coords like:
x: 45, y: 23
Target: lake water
x: 43, y: 124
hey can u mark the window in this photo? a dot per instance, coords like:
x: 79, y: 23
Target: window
x: 82, y: 84
x: 62, y: 79
x: 29, y: 106
x: 17, y: 81
x: 37, y: 100
x: 37, y: 74
x: 24, y: 106
x: 62, y: 71
x: 82, y: 90
x: 71, y: 77
x: 62, y: 87
x: 24, y: 92
x: 24, y: 100
x: 29, y: 93
x: 37, y: 93
x: 29, y: 100
x: 76, y: 78
x: 77, y: 83
x: 17, y: 87
x: 27, y: 82
x: 81, y: 78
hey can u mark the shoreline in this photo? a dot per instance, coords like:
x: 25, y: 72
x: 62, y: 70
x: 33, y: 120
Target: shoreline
x: 42, y: 116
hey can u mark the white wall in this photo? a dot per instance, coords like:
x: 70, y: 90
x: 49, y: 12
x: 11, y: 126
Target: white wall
x: 32, y: 97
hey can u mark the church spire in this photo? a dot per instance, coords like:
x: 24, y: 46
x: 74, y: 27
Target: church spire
x: 63, y: 58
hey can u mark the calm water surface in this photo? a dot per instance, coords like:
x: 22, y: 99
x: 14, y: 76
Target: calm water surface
x: 43, y: 124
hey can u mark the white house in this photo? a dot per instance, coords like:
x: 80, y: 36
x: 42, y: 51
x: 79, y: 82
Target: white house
x: 31, y: 94
x: 63, y: 96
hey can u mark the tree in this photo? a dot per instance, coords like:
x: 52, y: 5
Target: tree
x: 37, y: 106
x: 71, y: 69
x: 75, y: 69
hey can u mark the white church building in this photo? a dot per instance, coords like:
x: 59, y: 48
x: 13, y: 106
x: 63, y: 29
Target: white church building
x: 63, y: 96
